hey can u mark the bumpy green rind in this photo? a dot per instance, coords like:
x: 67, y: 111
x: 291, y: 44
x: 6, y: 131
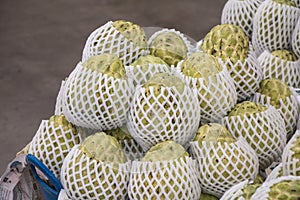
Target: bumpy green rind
x: 165, y: 151
x: 104, y: 148
x: 249, y: 190
x: 227, y: 42
x: 287, y: 190
x: 205, y: 196
x: 247, y: 108
x: 160, y: 80
x: 213, y: 132
x: 60, y: 120
x: 132, y: 32
x: 200, y: 65
x: 286, y: 2
x: 147, y: 60
x: 108, y: 64
x: 170, y: 47
x: 276, y: 90
x: 120, y: 133
x: 285, y: 55
x: 296, y: 149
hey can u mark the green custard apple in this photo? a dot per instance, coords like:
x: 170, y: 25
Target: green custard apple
x: 261, y: 126
x: 53, y: 141
x: 93, y: 171
x: 291, y: 156
x: 205, y: 196
x: 165, y: 173
x: 146, y: 66
x: 286, y: 2
x: 222, y: 160
x: 169, y: 46
x: 203, y: 72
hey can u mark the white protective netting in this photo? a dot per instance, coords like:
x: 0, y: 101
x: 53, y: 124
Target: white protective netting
x: 141, y: 74
x: 297, y: 2
x: 216, y: 95
x: 132, y: 150
x: 290, y: 158
x: 85, y: 178
x: 275, y: 173
x: 298, y: 124
x: 235, y: 192
x: 59, y: 101
x: 222, y: 165
x: 170, y: 115
x: 262, y: 193
x: 288, y: 109
x: 274, y: 67
x: 94, y: 100
x: 51, y: 144
x: 63, y: 195
x: 264, y: 131
x: 296, y: 39
x: 240, y: 13
x: 107, y: 39
x: 273, y: 25
x: 176, y: 179
x: 189, y: 45
x: 246, y: 75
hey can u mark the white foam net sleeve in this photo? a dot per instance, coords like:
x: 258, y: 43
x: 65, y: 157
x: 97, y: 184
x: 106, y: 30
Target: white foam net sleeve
x: 132, y: 150
x: 246, y: 76
x: 264, y: 131
x: 63, y: 195
x: 290, y: 159
x: 223, y: 165
x: 275, y: 173
x: 85, y: 132
x: 141, y: 74
x: 176, y: 179
x: 273, y: 25
x: 107, y: 39
x: 288, y: 109
x: 51, y: 144
x: 298, y: 125
x: 216, y: 95
x: 240, y: 13
x: 262, y: 193
x: 297, y: 2
x: 274, y: 67
x: 58, y: 104
x: 189, y: 45
x: 85, y: 178
x: 296, y: 39
x: 170, y: 115
x: 235, y: 192
x: 94, y: 100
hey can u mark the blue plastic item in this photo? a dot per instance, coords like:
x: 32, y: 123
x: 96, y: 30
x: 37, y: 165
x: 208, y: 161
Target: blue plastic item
x: 48, y: 193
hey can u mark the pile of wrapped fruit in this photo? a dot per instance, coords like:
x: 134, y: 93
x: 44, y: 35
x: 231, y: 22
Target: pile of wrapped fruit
x: 163, y: 117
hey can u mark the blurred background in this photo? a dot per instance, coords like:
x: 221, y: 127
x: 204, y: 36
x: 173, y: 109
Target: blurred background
x: 42, y: 41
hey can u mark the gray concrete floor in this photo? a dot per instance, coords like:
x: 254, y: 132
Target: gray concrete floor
x: 41, y: 42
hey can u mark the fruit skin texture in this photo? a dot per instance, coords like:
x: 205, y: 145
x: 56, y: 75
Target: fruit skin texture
x: 249, y: 190
x: 213, y: 132
x: 286, y: 2
x: 227, y: 42
x: 169, y: 46
x: 205, y: 196
x: 247, y: 108
x: 146, y: 60
x: 285, y: 55
x: 276, y: 90
x: 288, y: 190
x: 103, y: 148
x: 200, y: 65
x: 108, y: 64
x: 165, y: 151
x: 132, y: 32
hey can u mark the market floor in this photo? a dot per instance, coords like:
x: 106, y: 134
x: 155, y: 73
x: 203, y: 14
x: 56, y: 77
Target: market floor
x: 41, y: 42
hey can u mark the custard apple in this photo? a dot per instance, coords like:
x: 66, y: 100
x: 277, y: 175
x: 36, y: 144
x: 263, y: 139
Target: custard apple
x: 165, y: 172
x: 215, y: 88
x: 169, y: 45
x: 121, y: 38
x: 205, y: 196
x: 296, y: 38
x: 262, y: 127
x: 160, y: 110
x: 96, y: 169
x: 52, y: 142
x: 291, y: 156
x: 223, y: 161
x: 97, y: 93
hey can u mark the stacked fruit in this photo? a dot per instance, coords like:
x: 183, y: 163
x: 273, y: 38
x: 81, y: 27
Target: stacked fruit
x: 169, y: 118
